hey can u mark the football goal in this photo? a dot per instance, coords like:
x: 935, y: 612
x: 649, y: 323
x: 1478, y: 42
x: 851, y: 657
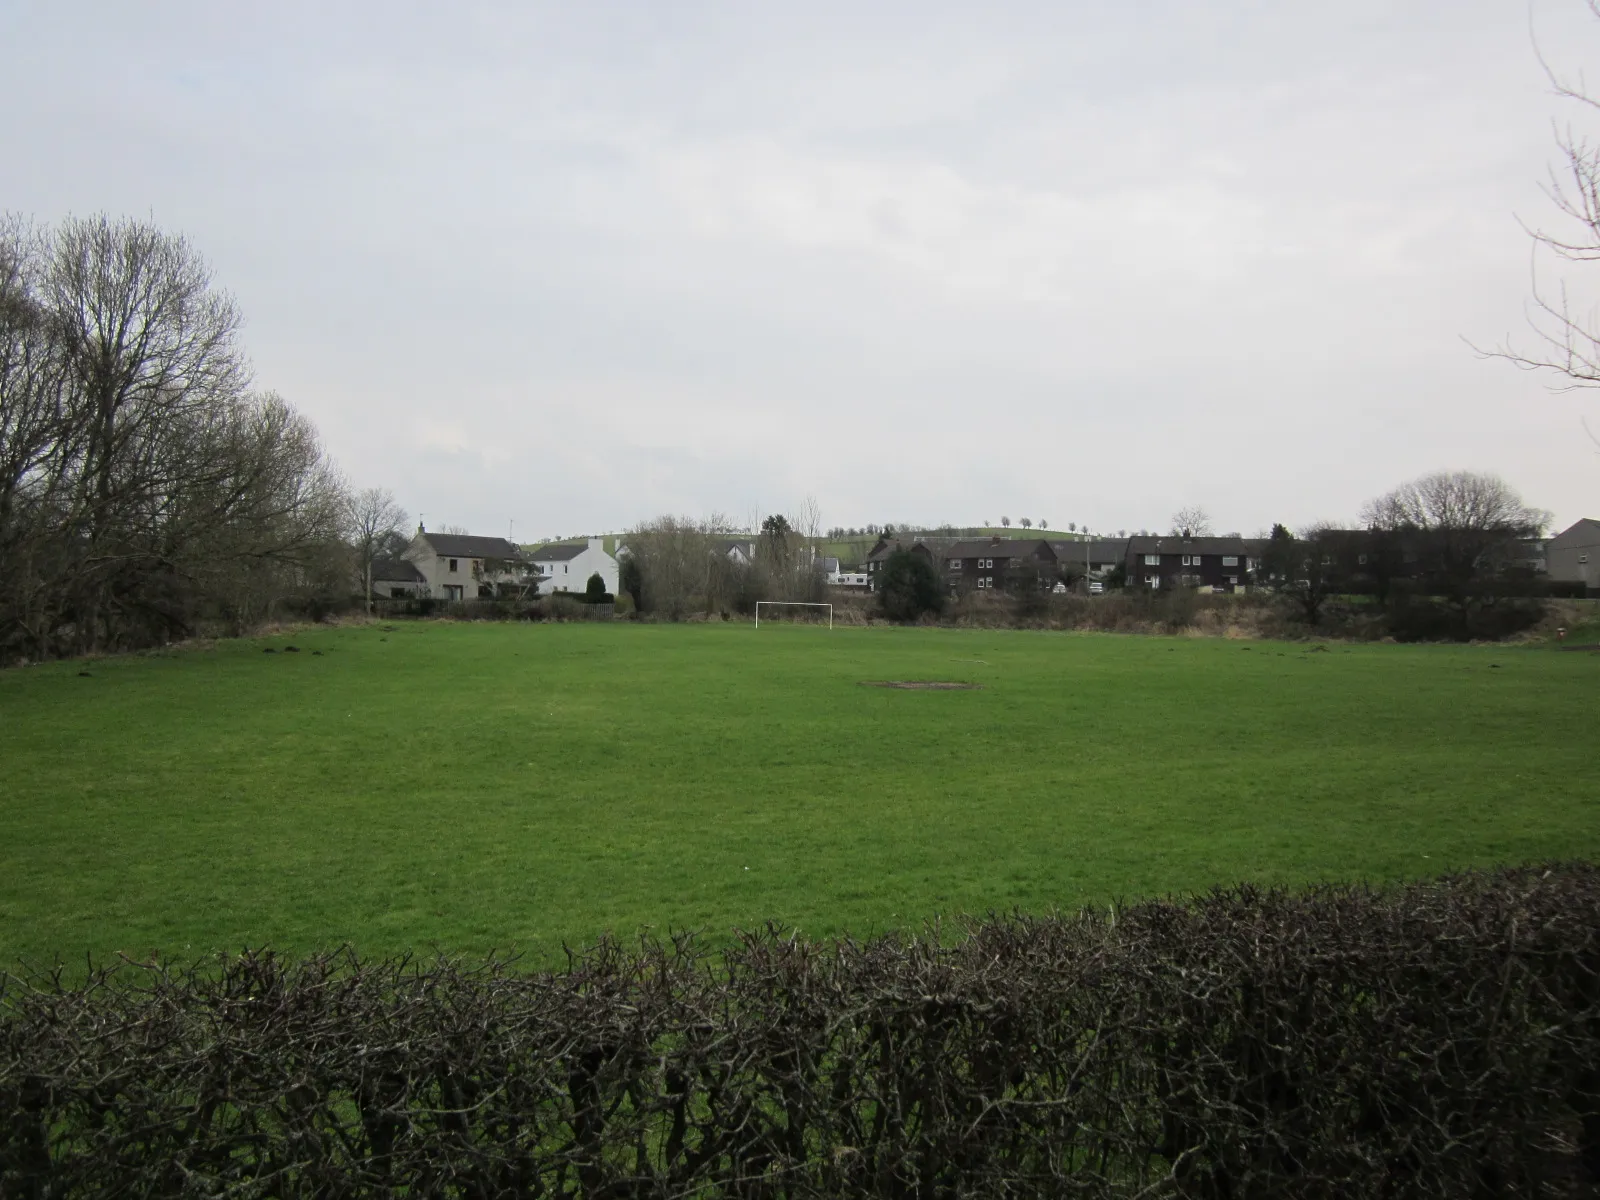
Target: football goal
x: 770, y: 604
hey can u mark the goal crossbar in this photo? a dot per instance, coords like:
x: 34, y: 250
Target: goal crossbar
x: 792, y: 604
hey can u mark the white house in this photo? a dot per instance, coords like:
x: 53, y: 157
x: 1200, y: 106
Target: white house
x: 737, y: 550
x: 458, y: 566
x: 566, y: 567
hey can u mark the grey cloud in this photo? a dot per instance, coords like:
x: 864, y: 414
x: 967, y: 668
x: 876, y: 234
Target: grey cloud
x: 576, y: 265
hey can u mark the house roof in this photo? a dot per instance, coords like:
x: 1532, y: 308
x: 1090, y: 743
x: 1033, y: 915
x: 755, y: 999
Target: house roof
x: 1182, y: 545
x: 997, y: 548
x: 1100, y: 549
x: 559, y: 552
x: 462, y: 545
x: 396, y: 570
x: 1579, y: 533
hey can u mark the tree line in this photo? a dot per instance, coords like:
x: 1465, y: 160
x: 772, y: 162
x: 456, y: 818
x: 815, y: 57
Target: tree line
x: 676, y: 566
x: 146, y: 486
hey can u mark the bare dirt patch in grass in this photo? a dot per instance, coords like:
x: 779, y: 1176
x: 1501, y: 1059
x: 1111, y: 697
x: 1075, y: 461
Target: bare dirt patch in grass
x: 922, y: 685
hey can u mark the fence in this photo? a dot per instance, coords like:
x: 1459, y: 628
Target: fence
x: 1437, y: 1039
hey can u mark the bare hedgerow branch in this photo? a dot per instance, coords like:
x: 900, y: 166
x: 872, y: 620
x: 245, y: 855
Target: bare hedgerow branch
x: 1438, y: 1039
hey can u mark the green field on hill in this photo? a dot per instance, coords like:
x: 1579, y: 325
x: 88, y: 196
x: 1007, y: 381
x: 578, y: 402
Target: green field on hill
x: 467, y: 786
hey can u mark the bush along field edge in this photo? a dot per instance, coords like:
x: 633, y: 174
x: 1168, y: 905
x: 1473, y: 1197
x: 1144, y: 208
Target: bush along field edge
x: 1439, y: 1038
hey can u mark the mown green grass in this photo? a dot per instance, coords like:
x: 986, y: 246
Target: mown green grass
x: 476, y: 786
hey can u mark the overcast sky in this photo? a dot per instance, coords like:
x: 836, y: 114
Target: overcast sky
x: 578, y: 265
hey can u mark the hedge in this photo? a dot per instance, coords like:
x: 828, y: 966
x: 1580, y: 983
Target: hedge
x: 1435, y: 1039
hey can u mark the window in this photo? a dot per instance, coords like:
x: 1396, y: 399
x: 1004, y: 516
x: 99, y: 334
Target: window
x: 1583, y: 558
x: 565, y: 568
x: 452, y: 591
x: 955, y: 564
x: 1152, y: 560
x: 1153, y: 580
x: 452, y: 565
x: 1234, y: 580
x: 980, y: 581
x: 1230, y: 560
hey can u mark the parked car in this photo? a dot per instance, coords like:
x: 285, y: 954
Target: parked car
x: 1096, y: 588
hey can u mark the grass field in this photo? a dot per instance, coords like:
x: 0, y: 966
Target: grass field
x: 476, y: 786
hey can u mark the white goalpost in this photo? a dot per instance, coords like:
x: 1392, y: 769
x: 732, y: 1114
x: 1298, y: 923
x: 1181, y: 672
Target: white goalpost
x: 791, y: 604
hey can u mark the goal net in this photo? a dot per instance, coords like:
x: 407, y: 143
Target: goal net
x: 806, y: 611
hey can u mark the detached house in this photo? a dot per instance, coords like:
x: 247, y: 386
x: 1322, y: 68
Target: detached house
x: 566, y: 567
x: 458, y: 566
x: 1223, y: 563
x: 1573, y: 555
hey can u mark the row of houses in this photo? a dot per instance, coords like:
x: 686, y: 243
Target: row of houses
x: 460, y: 566
x: 454, y: 566
x: 1358, y: 557
x: 980, y: 564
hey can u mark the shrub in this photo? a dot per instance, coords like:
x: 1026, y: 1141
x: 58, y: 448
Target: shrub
x: 595, y: 590
x: 630, y: 580
x: 909, y: 587
x: 1412, y: 618
x: 563, y: 607
x: 1439, y: 1039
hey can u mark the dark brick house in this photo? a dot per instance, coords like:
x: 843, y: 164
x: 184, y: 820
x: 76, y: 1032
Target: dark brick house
x: 1100, y: 555
x: 1223, y: 563
x: 930, y: 547
x: 1007, y: 564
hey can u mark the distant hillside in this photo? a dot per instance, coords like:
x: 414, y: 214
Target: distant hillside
x: 608, y: 542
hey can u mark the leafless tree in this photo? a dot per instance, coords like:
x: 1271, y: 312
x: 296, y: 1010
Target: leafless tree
x: 1315, y: 571
x: 1191, y: 521
x: 683, y: 563
x: 789, y: 561
x: 1464, y: 500
x: 372, y: 521
x: 1567, y: 343
x: 1461, y: 523
x: 140, y: 479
